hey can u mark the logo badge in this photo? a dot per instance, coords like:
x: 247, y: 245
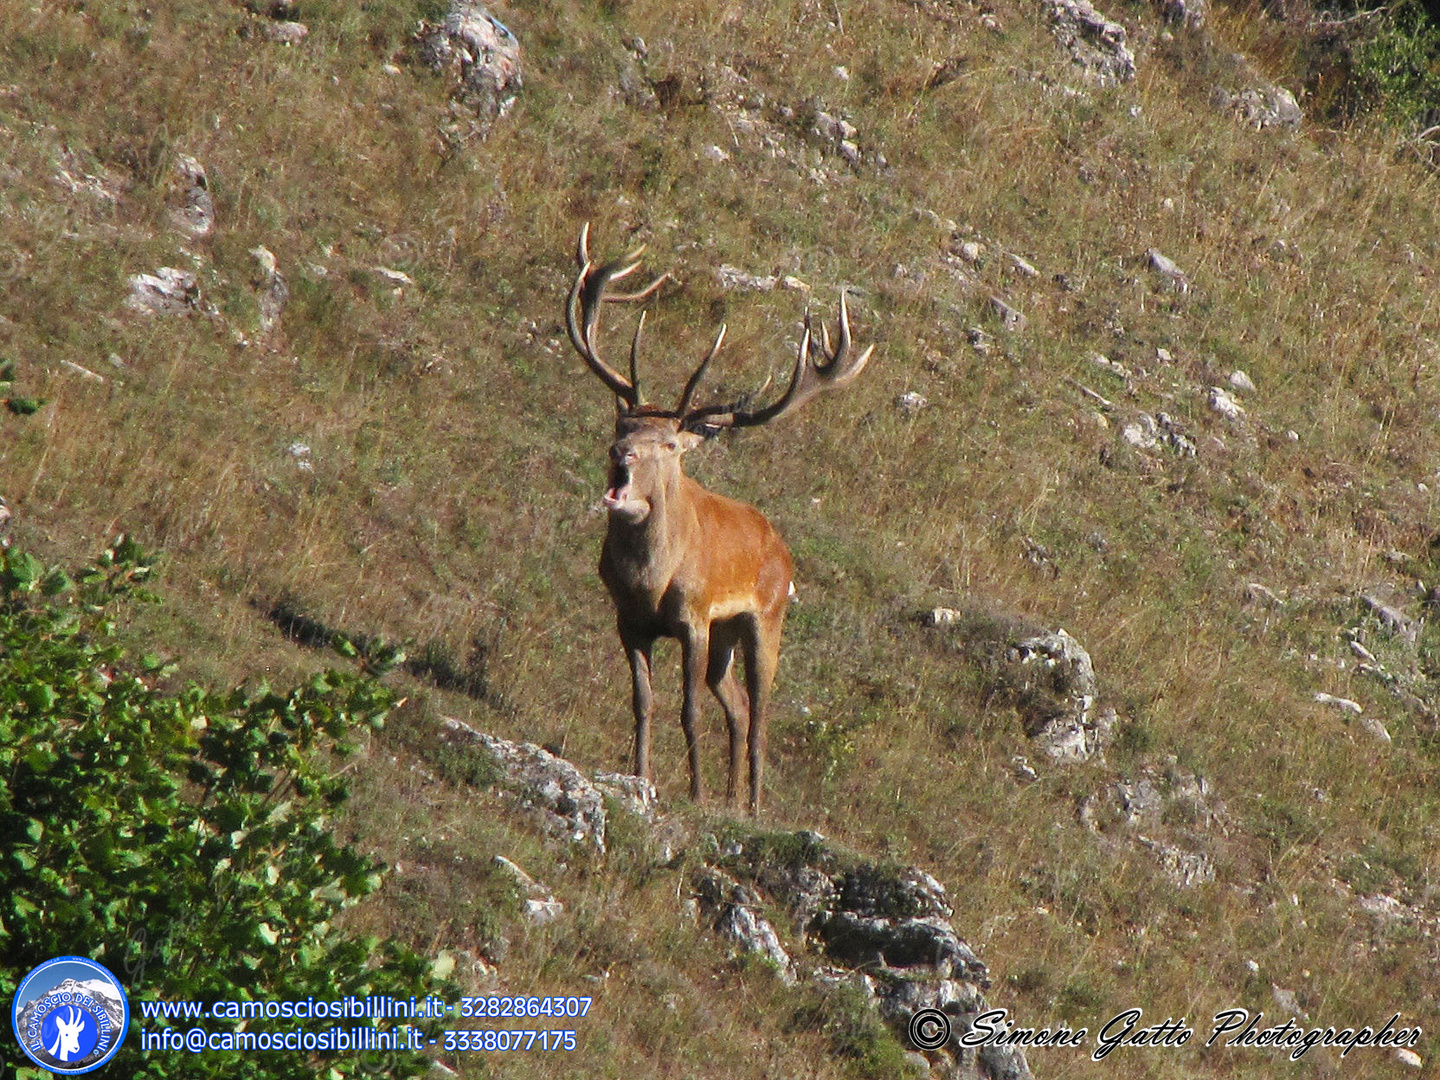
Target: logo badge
x: 70, y: 1015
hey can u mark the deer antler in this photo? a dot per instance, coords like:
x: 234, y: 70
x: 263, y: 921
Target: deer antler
x: 808, y: 380
x: 582, y: 312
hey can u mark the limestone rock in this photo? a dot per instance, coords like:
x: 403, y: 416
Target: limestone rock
x: 1096, y: 44
x: 271, y: 288
x: 1265, y: 106
x: 192, y: 210
x: 564, y: 802
x: 1053, y: 681
x: 168, y: 291
x: 541, y: 907
x: 484, y: 55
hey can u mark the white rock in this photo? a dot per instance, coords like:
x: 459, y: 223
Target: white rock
x: 910, y: 402
x: 1408, y: 1057
x: 970, y: 251
x: 1241, y: 381
x: 1344, y: 704
x: 1022, y: 267
x: 1167, y: 268
x: 168, y: 291
x: 716, y: 153
x: 286, y: 33
x: 1224, y: 404
x: 1376, y: 728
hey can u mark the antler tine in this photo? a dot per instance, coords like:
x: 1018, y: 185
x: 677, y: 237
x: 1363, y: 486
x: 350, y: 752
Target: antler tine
x: 582, y: 313
x: 808, y: 379
x: 635, y: 360
x: 693, y: 383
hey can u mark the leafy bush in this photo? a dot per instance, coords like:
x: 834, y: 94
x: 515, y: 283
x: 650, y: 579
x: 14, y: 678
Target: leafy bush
x: 179, y: 839
x: 1400, y: 61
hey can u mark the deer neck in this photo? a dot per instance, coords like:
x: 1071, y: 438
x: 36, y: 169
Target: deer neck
x: 647, y: 552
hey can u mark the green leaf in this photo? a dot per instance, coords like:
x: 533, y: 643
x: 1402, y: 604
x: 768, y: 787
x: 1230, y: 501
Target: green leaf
x: 267, y: 934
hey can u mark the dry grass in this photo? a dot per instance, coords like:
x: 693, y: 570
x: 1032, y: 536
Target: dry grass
x: 457, y: 457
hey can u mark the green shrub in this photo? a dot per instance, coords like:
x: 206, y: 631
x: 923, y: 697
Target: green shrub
x: 181, y: 838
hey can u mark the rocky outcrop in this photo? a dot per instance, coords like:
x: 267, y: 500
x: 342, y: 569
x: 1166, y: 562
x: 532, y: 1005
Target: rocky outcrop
x: 168, y: 291
x: 884, y: 930
x: 1097, y: 46
x: 483, y: 56
x: 558, y: 796
x: 192, y: 210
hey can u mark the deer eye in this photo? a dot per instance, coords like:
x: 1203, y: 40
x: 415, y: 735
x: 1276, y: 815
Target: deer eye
x: 672, y: 445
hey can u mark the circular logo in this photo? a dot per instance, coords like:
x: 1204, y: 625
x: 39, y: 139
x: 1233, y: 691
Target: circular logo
x: 70, y: 1015
x: 929, y: 1029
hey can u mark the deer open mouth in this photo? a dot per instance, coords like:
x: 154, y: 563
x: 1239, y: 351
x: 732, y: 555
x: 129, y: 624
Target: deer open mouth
x: 619, y: 493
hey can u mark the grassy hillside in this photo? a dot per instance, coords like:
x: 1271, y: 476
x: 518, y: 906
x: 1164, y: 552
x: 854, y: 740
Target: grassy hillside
x: 421, y: 459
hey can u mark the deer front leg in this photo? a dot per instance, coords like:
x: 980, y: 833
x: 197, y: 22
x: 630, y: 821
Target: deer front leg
x: 695, y: 647
x: 637, y: 650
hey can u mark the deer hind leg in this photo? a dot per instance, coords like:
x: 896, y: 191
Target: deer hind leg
x: 638, y: 649
x: 725, y: 685
x: 762, y: 658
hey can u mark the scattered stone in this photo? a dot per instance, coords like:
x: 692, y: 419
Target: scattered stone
x: 1023, y: 771
x: 1096, y: 45
x: 1265, y: 107
x: 970, y: 251
x: 1167, y: 269
x: 1146, y: 432
x: 1053, y: 682
x: 1289, y: 1004
x: 1185, y: 869
x: 940, y: 616
x: 1408, y: 1057
x: 1223, y: 403
x: 1255, y: 592
x: 541, y: 907
x: 1362, y: 653
x: 1344, y: 704
x: 398, y: 278
x: 1392, y: 618
x: 194, y: 212
x: 1241, y: 381
x: 979, y: 340
x: 1010, y: 318
x: 1022, y: 267
x: 485, y: 56
x: 911, y: 403
x: 716, y: 154
x: 834, y: 128
x: 732, y: 277
x: 284, y: 32
x: 74, y: 177
x: 168, y: 291
x: 271, y: 287
x: 850, y: 152
x: 1376, y: 728
x: 301, y: 453
x: 81, y: 370
x: 1164, y: 356
x: 565, y: 803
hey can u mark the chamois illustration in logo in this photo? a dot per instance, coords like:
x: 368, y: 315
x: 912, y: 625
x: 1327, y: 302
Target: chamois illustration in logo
x: 67, y: 1036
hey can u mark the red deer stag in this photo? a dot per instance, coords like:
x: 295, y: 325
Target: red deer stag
x: 683, y: 562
